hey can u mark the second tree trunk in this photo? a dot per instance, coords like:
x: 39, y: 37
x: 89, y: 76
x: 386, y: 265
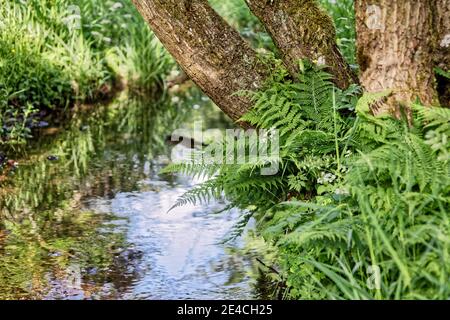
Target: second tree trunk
x: 396, y: 47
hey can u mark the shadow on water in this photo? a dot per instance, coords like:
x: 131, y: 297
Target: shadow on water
x: 85, y: 216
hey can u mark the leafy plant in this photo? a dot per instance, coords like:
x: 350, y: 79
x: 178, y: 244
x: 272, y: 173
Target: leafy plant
x: 358, y: 208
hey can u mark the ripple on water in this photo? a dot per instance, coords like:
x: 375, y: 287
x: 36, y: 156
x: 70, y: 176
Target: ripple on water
x: 181, y: 254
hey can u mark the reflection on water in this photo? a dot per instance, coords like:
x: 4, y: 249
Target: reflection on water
x: 179, y: 252
x: 94, y: 222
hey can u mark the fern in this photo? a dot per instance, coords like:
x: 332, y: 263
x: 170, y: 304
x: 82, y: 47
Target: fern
x: 291, y: 106
x: 200, y: 194
x: 442, y: 72
x: 193, y: 169
x: 354, y: 190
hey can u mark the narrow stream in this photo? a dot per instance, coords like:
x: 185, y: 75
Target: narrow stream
x: 87, y: 216
x: 174, y: 255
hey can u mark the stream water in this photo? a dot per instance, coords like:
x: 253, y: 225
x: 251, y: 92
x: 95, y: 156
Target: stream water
x: 86, y: 216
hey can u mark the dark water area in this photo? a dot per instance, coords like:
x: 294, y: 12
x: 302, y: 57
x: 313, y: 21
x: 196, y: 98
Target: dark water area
x: 86, y: 215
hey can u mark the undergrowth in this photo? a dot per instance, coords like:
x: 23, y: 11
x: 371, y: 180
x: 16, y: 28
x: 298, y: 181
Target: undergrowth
x: 56, y: 53
x: 359, y: 206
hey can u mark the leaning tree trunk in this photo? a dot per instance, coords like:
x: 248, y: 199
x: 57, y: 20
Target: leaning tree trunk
x: 396, y: 47
x: 301, y: 29
x: 211, y: 53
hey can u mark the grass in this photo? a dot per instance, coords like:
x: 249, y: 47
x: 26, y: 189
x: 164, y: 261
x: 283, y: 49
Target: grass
x: 57, y: 53
x: 359, y: 210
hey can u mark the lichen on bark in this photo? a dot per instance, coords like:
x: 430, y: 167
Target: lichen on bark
x: 301, y: 29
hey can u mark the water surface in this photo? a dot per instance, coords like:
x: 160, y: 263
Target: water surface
x: 94, y: 223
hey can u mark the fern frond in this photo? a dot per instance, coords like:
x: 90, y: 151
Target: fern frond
x: 195, y: 170
x: 201, y: 194
x: 442, y: 72
x: 289, y: 106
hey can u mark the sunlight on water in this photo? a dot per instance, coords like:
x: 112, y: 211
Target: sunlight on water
x: 94, y: 224
x: 180, y: 252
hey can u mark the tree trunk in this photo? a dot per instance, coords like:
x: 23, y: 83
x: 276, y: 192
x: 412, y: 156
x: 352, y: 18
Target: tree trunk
x: 211, y: 53
x: 300, y: 29
x: 442, y: 56
x: 396, y: 49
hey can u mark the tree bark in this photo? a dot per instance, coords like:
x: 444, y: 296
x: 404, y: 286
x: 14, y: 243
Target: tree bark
x: 399, y: 44
x: 442, y: 56
x: 211, y: 53
x: 301, y: 29
x: 396, y: 49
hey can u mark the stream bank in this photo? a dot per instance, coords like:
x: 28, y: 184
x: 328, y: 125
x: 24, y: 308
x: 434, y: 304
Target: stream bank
x: 85, y: 215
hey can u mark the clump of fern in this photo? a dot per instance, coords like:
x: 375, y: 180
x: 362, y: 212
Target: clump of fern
x: 358, y: 209
x: 309, y: 122
x: 388, y: 213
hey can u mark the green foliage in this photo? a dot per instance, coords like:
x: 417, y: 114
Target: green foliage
x: 442, y: 72
x: 393, y: 215
x: 236, y: 13
x: 355, y: 193
x: 343, y: 14
x: 56, y: 53
x: 288, y: 105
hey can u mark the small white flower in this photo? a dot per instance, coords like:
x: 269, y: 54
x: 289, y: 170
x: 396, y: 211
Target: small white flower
x: 175, y: 99
x: 329, y: 177
x: 326, y: 178
x: 196, y: 107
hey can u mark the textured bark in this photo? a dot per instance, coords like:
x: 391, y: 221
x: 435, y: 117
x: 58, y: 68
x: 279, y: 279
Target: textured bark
x: 300, y: 29
x: 441, y: 14
x: 442, y: 56
x: 396, y: 49
x: 211, y: 53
